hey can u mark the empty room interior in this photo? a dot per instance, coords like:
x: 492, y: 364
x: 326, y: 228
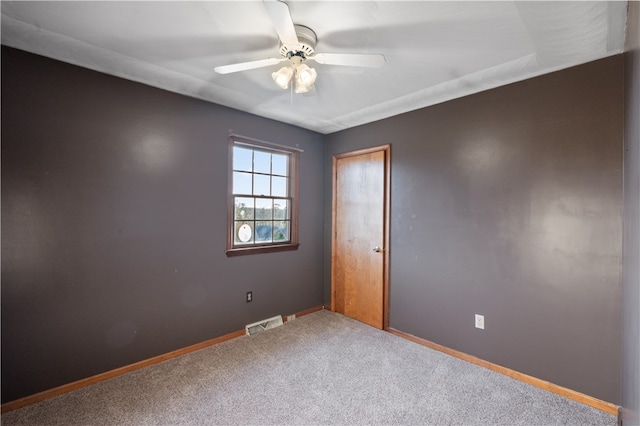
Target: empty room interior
x: 458, y: 177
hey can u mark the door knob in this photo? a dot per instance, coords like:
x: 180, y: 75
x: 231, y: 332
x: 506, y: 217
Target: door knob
x: 377, y: 249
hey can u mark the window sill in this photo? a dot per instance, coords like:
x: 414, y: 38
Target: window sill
x: 260, y: 249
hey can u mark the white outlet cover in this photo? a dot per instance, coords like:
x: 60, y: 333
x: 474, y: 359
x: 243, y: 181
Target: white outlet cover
x: 480, y: 321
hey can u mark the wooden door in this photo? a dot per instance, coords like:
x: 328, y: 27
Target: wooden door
x: 359, y: 273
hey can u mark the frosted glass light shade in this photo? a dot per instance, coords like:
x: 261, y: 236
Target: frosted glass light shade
x: 282, y: 77
x: 305, y: 77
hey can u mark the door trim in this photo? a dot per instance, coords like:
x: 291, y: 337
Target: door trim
x: 387, y: 203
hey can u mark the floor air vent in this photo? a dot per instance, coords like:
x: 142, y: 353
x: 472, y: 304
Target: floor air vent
x: 260, y: 326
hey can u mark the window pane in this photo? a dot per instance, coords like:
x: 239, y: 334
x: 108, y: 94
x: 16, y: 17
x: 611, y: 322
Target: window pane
x: 243, y: 208
x: 280, y: 231
x: 278, y: 186
x: 244, y: 232
x: 242, y: 183
x: 242, y: 159
x: 261, y: 185
x: 263, y: 232
x: 261, y: 162
x: 280, y: 209
x: 264, y: 208
x: 279, y: 165
x: 263, y: 178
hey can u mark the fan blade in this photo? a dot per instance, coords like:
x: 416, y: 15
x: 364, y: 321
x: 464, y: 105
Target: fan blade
x: 243, y: 66
x: 281, y: 19
x: 350, y: 59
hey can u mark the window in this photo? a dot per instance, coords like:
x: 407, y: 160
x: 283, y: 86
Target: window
x: 263, y: 208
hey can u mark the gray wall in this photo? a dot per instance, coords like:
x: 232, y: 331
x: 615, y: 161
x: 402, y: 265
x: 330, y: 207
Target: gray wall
x: 114, y: 224
x: 631, y: 247
x: 508, y: 203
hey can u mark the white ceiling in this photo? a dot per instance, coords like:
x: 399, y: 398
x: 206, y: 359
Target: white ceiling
x: 435, y: 51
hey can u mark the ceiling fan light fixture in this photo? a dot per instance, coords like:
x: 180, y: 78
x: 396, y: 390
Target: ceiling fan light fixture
x: 297, y: 44
x: 282, y: 77
x: 305, y: 77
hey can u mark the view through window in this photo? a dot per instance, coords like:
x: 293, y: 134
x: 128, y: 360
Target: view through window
x: 262, y: 205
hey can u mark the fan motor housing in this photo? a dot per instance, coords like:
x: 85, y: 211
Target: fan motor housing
x: 306, y: 43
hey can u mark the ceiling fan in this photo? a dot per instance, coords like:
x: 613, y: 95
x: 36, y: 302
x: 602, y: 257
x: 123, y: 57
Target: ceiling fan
x: 297, y: 45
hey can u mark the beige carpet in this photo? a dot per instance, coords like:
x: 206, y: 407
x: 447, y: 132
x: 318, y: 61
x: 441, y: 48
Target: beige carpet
x: 322, y: 368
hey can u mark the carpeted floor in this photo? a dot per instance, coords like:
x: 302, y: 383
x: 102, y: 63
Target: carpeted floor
x: 322, y: 368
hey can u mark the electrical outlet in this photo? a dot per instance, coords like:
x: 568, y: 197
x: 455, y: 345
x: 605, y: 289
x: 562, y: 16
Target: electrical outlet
x: 249, y: 296
x: 480, y: 321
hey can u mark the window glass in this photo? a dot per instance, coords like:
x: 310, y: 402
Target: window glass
x: 244, y: 233
x: 262, y: 198
x: 263, y: 232
x: 261, y: 162
x: 278, y: 186
x: 280, y: 209
x: 280, y: 231
x: 261, y: 185
x: 242, y: 159
x: 244, y: 208
x: 279, y: 164
x: 242, y: 183
x: 264, y: 208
